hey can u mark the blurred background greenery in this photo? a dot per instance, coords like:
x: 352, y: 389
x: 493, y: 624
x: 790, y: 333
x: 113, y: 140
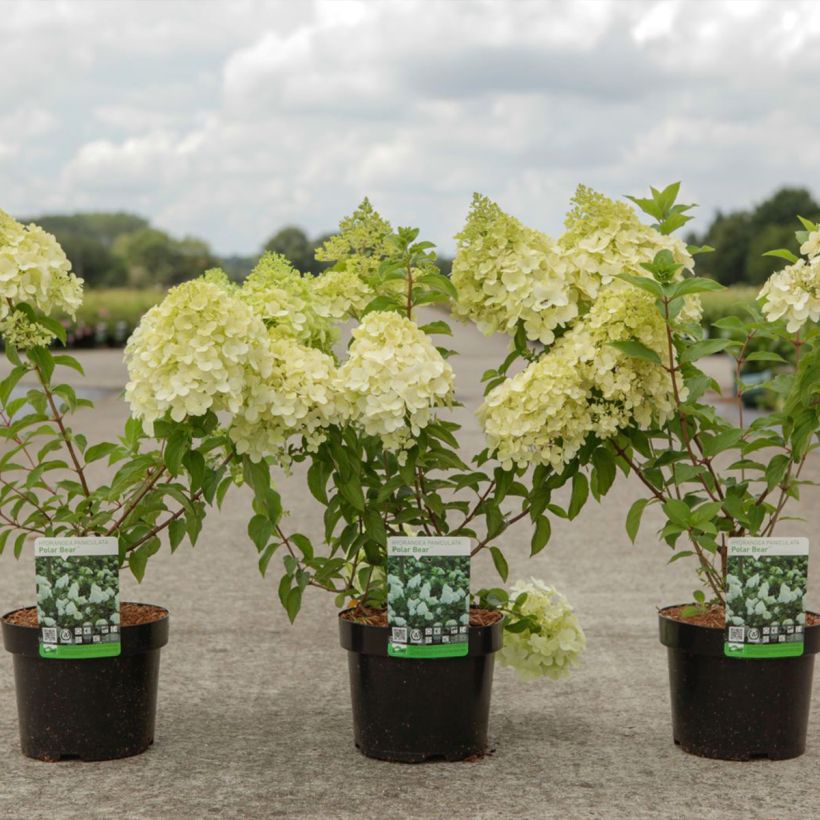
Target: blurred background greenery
x: 128, y: 263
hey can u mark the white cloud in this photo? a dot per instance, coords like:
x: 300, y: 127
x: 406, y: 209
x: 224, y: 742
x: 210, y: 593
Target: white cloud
x: 229, y: 119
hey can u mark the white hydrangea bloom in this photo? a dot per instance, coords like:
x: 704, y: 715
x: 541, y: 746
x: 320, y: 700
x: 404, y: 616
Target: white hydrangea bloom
x: 555, y: 649
x: 793, y: 294
x: 35, y: 270
x: 338, y: 294
x: 392, y: 378
x: 199, y: 349
x: 283, y: 298
x: 582, y: 385
x: 298, y: 398
x: 505, y: 272
x: 604, y: 238
x: 811, y: 247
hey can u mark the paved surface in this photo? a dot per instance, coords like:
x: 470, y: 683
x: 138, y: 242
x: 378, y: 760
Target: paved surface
x: 254, y: 716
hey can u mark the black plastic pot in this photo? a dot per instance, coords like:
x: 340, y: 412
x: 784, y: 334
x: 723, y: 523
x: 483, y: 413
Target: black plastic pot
x: 736, y: 708
x: 409, y: 710
x: 96, y: 709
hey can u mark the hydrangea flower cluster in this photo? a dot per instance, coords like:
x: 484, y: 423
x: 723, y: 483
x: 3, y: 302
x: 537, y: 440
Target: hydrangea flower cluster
x: 771, y: 596
x: 35, y: 271
x: 604, y: 238
x: 200, y: 349
x: 282, y: 297
x: 298, y: 398
x: 392, y: 378
x: 582, y: 385
x: 793, y: 293
x: 554, y: 649
x: 340, y: 294
x: 363, y: 242
x: 505, y: 272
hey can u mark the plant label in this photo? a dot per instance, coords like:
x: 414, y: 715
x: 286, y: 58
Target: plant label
x: 78, y: 597
x: 765, y: 597
x: 428, y: 596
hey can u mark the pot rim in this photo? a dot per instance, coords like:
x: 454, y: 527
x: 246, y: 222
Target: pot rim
x: 368, y: 639
x: 709, y: 640
x: 21, y: 639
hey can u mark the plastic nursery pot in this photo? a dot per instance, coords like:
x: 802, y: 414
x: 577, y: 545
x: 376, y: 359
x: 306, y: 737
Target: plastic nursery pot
x: 736, y: 708
x: 409, y: 710
x: 94, y: 709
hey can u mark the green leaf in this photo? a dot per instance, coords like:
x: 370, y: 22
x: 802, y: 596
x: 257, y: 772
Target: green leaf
x: 604, y: 470
x: 776, y: 471
x: 541, y: 536
x: 707, y: 347
x: 580, y: 493
x: 500, y: 563
x: 175, y: 450
x: 642, y: 282
x: 98, y: 451
x: 69, y: 361
x: 633, y: 518
x: 260, y: 530
x: 137, y: 561
x: 317, y: 476
x: 695, y: 284
x: 351, y: 491
x: 637, y: 350
x: 176, y: 532
x: 782, y: 253
x: 303, y: 544
x: 437, y: 327
x: 678, y: 512
x: 764, y: 356
x: 721, y: 442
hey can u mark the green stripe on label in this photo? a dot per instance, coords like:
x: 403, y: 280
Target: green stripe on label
x: 794, y: 649
x: 75, y: 653
x: 439, y: 650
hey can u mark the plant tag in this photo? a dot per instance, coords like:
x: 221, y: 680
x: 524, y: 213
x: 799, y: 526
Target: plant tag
x: 766, y: 582
x: 428, y: 596
x: 78, y: 597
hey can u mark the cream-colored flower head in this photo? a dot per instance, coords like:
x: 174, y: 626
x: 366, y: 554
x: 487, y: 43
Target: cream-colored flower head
x: 282, y: 298
x: 298, y: 399
x: 363, y: 242
x: 552, y: 651
x: 34, y: 270
x: 582, y: 385
x: 340, y: 294
x: 199, y: 349
x: 604, y: 238
x: 505, y: 272
x: 392, y: 378
x: 811, y: 247
x: 793, y: 294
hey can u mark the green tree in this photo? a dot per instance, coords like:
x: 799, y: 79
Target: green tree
x: 152, y: 257
x: 93, y: 261
x: 293, y: 243
x: 741, y: 237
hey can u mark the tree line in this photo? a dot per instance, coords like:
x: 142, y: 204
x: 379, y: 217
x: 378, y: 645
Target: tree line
x: 740, y: 238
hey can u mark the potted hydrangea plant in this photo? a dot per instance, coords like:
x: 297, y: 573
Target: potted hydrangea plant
x: 617, y: 387
x: 156, y: 485
x: 369, y: 432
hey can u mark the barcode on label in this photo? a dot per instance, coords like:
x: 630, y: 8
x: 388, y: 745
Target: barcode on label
x: 737, y: 634
x: 399, y: 634
x: 49, y: 634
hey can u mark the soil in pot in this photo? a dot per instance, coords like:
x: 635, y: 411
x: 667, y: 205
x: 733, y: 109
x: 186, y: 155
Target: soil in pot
x: 96, y: 709
x: 412, y: 710
x: 735, y: 708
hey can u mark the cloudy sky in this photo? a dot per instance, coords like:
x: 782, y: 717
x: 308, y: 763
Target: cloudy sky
x: 230, y: 119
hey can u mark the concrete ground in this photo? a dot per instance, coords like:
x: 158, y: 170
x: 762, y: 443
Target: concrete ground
x: 254, y: 717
